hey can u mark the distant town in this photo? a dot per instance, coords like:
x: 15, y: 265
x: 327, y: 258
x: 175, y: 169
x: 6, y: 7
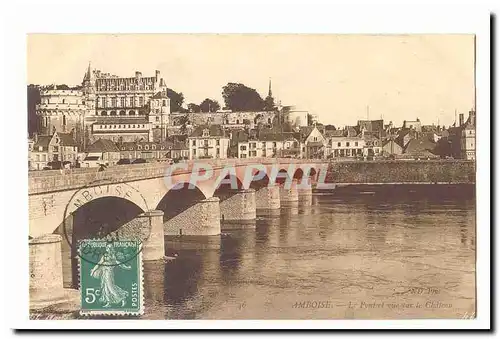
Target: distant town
x: 110, y: 120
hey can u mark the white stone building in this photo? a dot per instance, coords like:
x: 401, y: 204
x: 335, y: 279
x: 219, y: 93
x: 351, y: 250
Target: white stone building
x: 208, y: 142
x: 341, y: 146
x: 315, y: 145
x: 468, y: 138
x: 51, y: 149
x: 268, y: 146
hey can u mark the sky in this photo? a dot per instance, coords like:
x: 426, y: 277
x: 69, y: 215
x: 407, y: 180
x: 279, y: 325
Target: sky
x: 340, y: 78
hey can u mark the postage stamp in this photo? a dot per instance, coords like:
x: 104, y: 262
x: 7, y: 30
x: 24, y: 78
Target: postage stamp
x: 111, y: 277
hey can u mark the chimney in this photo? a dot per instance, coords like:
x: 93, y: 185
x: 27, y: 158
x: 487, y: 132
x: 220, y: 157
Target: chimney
x: 138, y: 74
x: 472, y: 117
x: 157, y: 75
x: 460, y: 119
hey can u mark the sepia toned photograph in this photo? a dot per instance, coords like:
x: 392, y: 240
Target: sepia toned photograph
x: 252, y: 176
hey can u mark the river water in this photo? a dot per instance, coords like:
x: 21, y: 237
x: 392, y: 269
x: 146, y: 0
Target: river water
x: 348, y: 256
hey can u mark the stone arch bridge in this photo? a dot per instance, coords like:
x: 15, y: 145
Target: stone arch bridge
x: 189, y: 198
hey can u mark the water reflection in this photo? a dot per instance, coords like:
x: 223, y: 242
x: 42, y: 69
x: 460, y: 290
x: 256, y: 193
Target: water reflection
x: 342, y: 249
x: 154, y: 281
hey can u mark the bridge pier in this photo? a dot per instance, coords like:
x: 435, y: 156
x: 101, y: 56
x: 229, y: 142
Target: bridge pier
x: 202, y: 218
x: 46, y: 273
x: 289, y: 196
x: 305, y: 193
x: 267, y: 198
x: 46, y: 279
x: 154, y: 281
x: 154, y: 246
x: 238, y: 209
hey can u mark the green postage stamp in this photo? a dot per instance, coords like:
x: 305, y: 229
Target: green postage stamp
x: 111, y: 277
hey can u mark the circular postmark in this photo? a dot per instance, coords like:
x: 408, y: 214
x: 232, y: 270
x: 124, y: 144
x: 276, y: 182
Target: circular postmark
x: 106, y: 228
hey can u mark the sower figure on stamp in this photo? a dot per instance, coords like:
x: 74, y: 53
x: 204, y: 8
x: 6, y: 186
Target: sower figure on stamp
x: 104, y: 270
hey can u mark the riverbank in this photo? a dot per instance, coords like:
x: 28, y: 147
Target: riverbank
x: 401, y: 191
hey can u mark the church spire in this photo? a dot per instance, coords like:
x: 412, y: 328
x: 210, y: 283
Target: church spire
x: 88, y: 73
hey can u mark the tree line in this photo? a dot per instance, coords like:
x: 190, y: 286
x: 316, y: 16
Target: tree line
x: 237, y: 97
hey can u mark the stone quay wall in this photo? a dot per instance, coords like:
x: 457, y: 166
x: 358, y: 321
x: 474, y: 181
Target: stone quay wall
x: 387, y: 172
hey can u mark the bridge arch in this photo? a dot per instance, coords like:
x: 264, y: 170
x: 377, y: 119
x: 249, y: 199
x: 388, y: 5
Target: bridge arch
x: 189, y: 211
x: 179, y: 198
x: 104, y: 217
x: 258, y: 180
x: 283, y: 176
x: 227, y: 186
x: 305, y: 172
x: 88, y: 194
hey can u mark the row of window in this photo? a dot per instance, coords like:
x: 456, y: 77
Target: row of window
x: 205, y: 152
x: 120, y: 126
x: 105, y: 103
x: 351, y: 152
x: 114, y: 113
x: 122, y: 87
x: 251, y: 154
x: 205, y: 142
x: 44, y: 157
x: 347, y: 143
x: 347, y: 152
x: 253, y: 145
x: 63, y: 101
x: 164, y: 103
x: 41, y: 157
x: 146, y: 148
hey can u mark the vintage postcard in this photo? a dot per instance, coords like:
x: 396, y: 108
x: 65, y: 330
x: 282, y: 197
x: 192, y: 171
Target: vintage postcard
x: 187, y: 176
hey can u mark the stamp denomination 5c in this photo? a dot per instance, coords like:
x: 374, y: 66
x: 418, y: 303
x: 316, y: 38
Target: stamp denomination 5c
x: 112, y: 284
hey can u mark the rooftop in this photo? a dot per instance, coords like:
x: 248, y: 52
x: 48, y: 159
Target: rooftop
x: 214, y: 131
x: 103, y: 145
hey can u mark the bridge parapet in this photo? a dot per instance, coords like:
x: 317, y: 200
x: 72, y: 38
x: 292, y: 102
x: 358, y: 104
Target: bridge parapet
x: 60, y: 180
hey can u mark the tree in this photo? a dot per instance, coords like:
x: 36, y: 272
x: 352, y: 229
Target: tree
x: 309, y: 119
x: 184, y: 120
x: 33, y: 100
x: 238, y: 97
x: 209, y: 105
x: 330, y: 128
x: 269, y: 103
x: 63, y: 86
x: 194, y: 108
x: 176, y: 100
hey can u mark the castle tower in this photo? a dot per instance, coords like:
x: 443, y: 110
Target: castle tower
x: 60, y: 110
x: 159, y: 116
